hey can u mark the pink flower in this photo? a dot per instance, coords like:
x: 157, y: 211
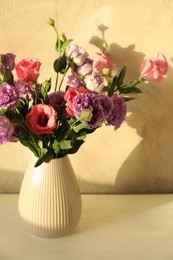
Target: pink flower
x: 27, y: 70
x: 41, y: 119
x: 154, y: 69
x: 161, y: 62
x: 101, y: 61
x: 70, y: 95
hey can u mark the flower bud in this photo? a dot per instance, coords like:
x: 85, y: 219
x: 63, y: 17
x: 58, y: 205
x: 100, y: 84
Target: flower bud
x: 86, y: 115
x: 62, y: 37
x: 51, y: 22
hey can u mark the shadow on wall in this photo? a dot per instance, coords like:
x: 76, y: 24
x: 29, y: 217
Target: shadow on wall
x: 149, y: 167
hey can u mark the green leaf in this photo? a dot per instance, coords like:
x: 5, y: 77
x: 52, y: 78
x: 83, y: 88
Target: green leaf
x: 56, y: 146
x: 8, y: 77
x: 46, y: 157
x: 126, y: 99
x: 112, y: 87
x: 76, y: 146
x: 66, y: 43
x: 81, y: 137
x: 128, y: 90
x: 60, y: 64
x: 77, y: 128
x: 121, y: 76
x: 3, y: 110
x: 47, y: 85
x: 65, y: 144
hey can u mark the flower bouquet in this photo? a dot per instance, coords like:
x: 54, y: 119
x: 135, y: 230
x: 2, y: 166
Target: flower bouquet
x: 91, y: 92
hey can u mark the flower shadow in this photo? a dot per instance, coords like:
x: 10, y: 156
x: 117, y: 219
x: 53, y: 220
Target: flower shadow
x: 148, y: 168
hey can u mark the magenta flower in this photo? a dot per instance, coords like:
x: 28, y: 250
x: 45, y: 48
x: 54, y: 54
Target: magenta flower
x: 9, y: 96
x: 41, y: 119
x: 6, y: 131
x: 7, y: 61
x: 76, y: 55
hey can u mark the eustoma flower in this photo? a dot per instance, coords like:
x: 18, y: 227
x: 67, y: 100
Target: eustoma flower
x: 6, y: 130
x: 25, y: 89
x: 41, y: 119
x: 70, y: 95
x: 154, y: 69
x: 101, y: 61
x: 9, y: 96
x: 7, y: 61
x: 27, y: 70
x: 118, y: 112
x: 94, y: 83
x: 76, y: 54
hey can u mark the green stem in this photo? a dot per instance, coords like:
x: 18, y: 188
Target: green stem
x: 56, y: 82
x: 136, y: 82
x: 64, y: 76
x: 71, y: 128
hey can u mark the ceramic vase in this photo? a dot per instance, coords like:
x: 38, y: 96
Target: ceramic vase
x: 50, y: 200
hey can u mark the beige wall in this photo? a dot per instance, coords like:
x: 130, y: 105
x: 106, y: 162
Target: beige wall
x: 137, y: 157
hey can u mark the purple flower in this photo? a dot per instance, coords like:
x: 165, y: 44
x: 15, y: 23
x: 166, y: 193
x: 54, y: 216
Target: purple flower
x: 9, y: 96
x: 118, y: 113
x: 94, y: 83
x: 84, y: 69
x: 7, y: 61
x: 75, y: 82
x: 89, y: 101
x: 83, y: 101
x: 25, y: 89
x: 6, y: 131
x: 105, y: 104
x: 56, y: 99
x: 76, y: 54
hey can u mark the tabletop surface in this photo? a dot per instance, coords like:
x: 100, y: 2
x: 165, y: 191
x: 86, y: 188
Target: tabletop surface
x: 112, y: 227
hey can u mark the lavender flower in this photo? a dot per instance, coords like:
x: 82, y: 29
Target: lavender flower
x: 6, y: 131
x: 75, y: 82
x: 94, y: 83
x: 7, y: 61
x: 76, y: 54
x: 9, y: 96
x: 84, y: 69
x: 118, y: 113
x: 25, y: 89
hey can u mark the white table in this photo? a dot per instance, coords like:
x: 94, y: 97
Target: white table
x: 112, y: 227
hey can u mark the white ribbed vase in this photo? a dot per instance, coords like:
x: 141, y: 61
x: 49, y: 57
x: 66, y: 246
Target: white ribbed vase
x: 50, y: 199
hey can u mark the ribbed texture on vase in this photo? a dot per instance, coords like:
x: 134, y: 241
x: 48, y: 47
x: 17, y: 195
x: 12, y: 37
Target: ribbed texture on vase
x: 50, y: 200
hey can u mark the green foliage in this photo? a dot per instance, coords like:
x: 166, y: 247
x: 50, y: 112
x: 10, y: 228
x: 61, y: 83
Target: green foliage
x: 8, y: 77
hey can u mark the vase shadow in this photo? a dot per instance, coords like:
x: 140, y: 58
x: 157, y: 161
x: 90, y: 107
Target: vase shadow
x: 116, y: 209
